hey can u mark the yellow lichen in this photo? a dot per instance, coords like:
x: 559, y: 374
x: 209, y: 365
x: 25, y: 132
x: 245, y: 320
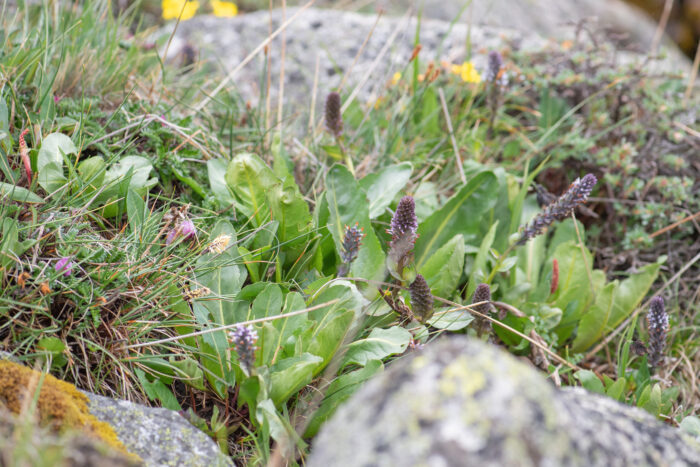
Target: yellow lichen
x: 458, y: 374
x: 59, y: 405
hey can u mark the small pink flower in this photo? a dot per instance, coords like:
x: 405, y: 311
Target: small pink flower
x: 64, y: 264
x: 56, y: 99
x: 186, y: 228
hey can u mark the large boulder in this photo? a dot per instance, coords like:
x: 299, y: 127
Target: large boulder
x: 463, y: 402
x: 335, y: 37
x: 159, y: 436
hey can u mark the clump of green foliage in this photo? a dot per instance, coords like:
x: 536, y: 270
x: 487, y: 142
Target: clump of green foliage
x: 199, y: 261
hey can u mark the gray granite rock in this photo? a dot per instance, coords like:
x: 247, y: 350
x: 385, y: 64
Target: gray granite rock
x: 462, y: 402
x: 335, y: 37
x: 161, y: 437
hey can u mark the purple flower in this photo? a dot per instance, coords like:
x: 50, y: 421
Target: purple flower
x: 244, y: 339
x: 561, y: 208
x: 64, y: 264
x: 186, y: 228
x: 657, y: 326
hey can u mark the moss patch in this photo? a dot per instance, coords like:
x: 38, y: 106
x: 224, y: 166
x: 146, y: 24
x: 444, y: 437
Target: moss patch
x: 60, y: 405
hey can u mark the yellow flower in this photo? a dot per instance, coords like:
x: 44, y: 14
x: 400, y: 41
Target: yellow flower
x: 467, y: 72
x: 395, y: 79
x: 173, y: 9
x: 224, y: 9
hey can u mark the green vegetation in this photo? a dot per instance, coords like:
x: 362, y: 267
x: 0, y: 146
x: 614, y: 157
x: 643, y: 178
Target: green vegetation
x: 200, y: 261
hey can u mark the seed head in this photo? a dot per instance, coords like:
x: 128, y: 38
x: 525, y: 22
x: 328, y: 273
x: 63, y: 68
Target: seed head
x: 421, y: 299
x: 244, y: 339
x: 482, y: 294
x: 560, y: 209
x: 219, y: 244
x: 495, y: 65
x: 334, y: 118
x: 403, y: 231
x: 352, y: 240
x: 657, y: 326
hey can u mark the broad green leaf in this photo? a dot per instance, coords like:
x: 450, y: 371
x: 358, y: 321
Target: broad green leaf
x: 328, y: 334
x: 292, y: 212
x: 288, y: 326
x: 590, y: 381
x: 51, y: 177
x: 52, y: 150
x: 249, y: 178
x: 288, y: 376
x: 224, y: 277
x: 451, y: 320
x: 593, y: 324
x: 156, y: 390
x: 691, y: 425
x: 631, y: 293
x: 617, y: 301
x: 268, y: 302
x: 18, y: 193
x: 383, y: 186
x: 140, y: 169
x: 380, y: 344
x: 339, y: 391
x: 92, y: 171
x: 478, y: 273
x: 574, y: 288
x: 189, y: 372
x: 279, y: 427
x: 617, y: 390
x: 443, y: 270
x: 348, y: 205
x: 10, y: 246
x: 136, y: 211
x: 216, y: 170
x: 464, y: 213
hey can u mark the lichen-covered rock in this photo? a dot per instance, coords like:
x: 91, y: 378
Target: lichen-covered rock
x: 462, y: 402
x: 59, y: 404
x: 161, y: 437
x: 335, y: 37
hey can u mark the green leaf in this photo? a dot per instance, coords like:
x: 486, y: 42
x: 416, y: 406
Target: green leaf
x: 380, y: 344
x: 614, y: 304
x: 383, y: 186
x: 328, y: 335
x: 451, y: 321
x: 478, y: 273
x: 464, y: 214
x: 339, y: 391
x: 590, y: 381
x: 93, y: 171
x: 18, y: 193
x: 691, y: 425
x: 617, y: 390
x: 190, y: 372
x: 288, y: 376
x: 10, y: 246
x: 140, y: 169
x: 348, y: 205
x: 278, y: 427
x: 292, y: 212
x: 224, y: 277
x: 136, y: 211
x: 52, y: 345
x: 443, y: 270
x: 216, y: 170
x: 156, y: 390
x: 249, y: 178
x: 650, y: 400
x: 52, y: 150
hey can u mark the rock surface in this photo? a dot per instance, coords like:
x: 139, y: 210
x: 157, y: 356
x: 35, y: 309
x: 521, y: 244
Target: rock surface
x: 461, y: 402
x: 334, y: 38
x: 160, y: 437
